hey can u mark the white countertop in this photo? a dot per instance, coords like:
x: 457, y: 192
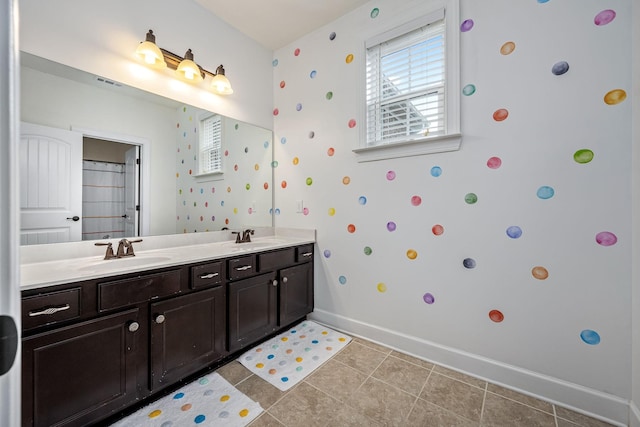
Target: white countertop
x: 48, y: 265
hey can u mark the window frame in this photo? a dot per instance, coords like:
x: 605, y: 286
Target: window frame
x: 452, y: 138
x: 213, y: 173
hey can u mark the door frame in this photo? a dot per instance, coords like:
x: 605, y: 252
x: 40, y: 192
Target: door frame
x: 145, y: 167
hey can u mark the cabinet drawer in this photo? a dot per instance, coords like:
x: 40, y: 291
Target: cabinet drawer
x: 50, y: 308
x: 242, y: 267
x: 273, y: 260
x: 304, y: 253
x: 207, y: 275
x: 121, y: 293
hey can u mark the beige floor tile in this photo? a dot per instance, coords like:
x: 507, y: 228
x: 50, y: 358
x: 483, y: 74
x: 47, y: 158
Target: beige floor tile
x: 456, y: 396
x: 460, y: 376
x: 404, y: 375
x: 370, y: 344
x: 501, y: 412
x: 411, y: 359
x: 260, y: 391
x: 522, y: 398
x: 306, y: 406
x: 234, y: 372
x: 360, y: 357
x: 265, y: 420
x: 336, y: 379
x: 382, y: 402
x: 426, y: 414
x: 577, y: 418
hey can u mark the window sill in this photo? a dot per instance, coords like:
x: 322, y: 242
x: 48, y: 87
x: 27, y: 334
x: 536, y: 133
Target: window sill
x: 212, y: 176
x: 431, y: 145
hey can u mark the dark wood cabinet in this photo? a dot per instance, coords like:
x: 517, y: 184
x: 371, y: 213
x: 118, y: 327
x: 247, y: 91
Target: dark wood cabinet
x: 92, y: 349
x: 187, y: 333
x: 76, y: 374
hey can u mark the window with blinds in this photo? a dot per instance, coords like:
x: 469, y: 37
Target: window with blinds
x: 405, y: 84
x: 210, y: 150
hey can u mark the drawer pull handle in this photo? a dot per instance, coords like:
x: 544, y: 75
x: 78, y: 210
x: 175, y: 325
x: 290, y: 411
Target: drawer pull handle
x: 307, y: 254
x: 209, y: 275
x: 52, y: 310
x: 243, y: 268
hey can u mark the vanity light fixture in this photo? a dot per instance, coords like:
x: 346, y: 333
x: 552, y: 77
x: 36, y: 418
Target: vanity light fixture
x: 186, y: 69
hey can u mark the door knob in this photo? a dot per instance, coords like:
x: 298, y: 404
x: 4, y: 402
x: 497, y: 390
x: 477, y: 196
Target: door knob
x: 285, y: 280
x: 134, y: 326
x: 159, y: 318
x: 75, y: 218
x: 275, y: 283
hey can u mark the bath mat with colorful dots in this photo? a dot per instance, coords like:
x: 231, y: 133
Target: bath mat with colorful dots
x: 287, y: 358
x: 209, y: 401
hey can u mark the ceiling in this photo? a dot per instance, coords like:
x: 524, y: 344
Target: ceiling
x: 277, y: 23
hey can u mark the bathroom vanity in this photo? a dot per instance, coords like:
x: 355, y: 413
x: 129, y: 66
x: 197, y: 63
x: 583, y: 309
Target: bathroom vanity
x: 102, y: 335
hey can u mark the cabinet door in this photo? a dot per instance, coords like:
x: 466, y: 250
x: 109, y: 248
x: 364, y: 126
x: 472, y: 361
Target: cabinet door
x: 296, y: 293
x: 81, y: 373
x: 252, y: 310
x: 187, y: 334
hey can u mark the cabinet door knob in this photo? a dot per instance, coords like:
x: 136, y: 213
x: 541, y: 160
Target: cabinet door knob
x: 160, y: 318
x: 274, y: 283
x: 285, y: 280
x: 134, y: 326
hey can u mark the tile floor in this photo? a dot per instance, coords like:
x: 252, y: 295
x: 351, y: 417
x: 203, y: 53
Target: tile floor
x: 370, y: 385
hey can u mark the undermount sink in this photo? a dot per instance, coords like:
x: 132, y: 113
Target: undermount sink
x: 254, y: 245
x: 126, y: 262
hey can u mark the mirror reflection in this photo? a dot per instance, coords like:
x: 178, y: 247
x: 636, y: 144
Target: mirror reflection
x: 100, y: 182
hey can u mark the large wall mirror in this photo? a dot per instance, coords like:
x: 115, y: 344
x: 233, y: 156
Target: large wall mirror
x: 117, y: 124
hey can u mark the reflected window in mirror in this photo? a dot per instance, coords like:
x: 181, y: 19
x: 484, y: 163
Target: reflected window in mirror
x: 210, y: 145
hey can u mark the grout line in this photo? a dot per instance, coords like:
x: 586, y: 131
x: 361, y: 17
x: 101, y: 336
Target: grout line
x: 555, y: 414
x: 484, y: 400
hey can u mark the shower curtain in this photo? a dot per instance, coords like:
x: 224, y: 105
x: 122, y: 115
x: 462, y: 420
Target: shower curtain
x: 103, y: 200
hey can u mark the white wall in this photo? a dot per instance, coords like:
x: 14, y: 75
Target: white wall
x: 101, y: 38
x: 537, y: 348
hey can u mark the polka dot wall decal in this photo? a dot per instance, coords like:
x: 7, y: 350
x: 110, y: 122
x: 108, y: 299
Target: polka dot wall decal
x: 436, y: 171
x: 362, y: 200
x: 545, y: 192
x: 178, y: 396
x: 352, y: 123
x: 305, y: 211
x: 583, y: 156
x: 496, y: 316
x: 283, y: 140
x: 274, y: 164
x: 295, y: 160
x: 274, y: 62
x: 309, y: 181
x: 283, y: 184
x: 312, y: 134
x: 615, y: 96
x: 332, y: 36
x: 469, y: 263
x: 374, y: 12
x: 313, y: 74
x: 469, y: 90
x: 199, y: 419
x: 507, y: 48
x: 329, y: 95
x: 416, y: 200
x: 412, y: 254
x: 331, y: 151
x: 470, y: 198
x: 223, y: 415
x: 560, y: 68
x: 155, y: 413
x: 367, y: 250
x: 282, y: 84
x: 327, y: 253
x: 381, y: 287
x: 606, y: 238
x: 500, y: 114
x: 543, y: 1
x: 276, y: 111
x: 604, y: 17
x: 428, y: 298
x: 342, y: 280
x: 296, y: 52
x: 540, y: 272
x: 351, y: 228
x: 298, y: 107
x: 332, y: 211
x: 346, y: 180
x: 466, y: 25
x: 391, y: 175
x: 494, y: 162
x: 186, y: 407
x: 514, y: 232
x: 243, y: 413
x: 437, y: 230
x: 590, y: 337
x: 391, y: 226
x: 349, y: 58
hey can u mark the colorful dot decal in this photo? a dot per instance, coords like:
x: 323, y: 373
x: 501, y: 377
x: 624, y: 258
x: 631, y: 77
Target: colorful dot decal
x: 583, y: 156
x: 352, y: 123
x: 540, y: 272
x: 615, y: 96
x: 374, y: 12
x: 514, y: 232
x: 545, y: 192
x: 367, y: 250
x: 155, y: 413
x: 470, y: 198
x: 309, y: 181
x: 412, y: 254
x: 391, y: 226
x: 362, y: 200
x: 469, y: 263
x: 604, y: 17
x: 494, y: 162
x: 590, y: 337
x: 500, y: 115
x: 329, y: 95
x: 496, y: 316
x: 436, y: 171
x: 349, y: 58
x: 507, y: 48
x: 346, y: 180
x: 296, y: 52
x: 466, y: 25
x: 199, y: 419
x: 332, y: 211
x: 560, y: 68
x: 332, y: 36
x: 351, y: 228
x: 342, y: 280
x: 313, y: 74
x: 469, y: 90
x: 391, y: 175
x: 606, y: 238
x: 331, y: 151
x: 416, y: 200
x: 327, y: 253
x: 382, y: 288
x: 437, y: 230
x: 428, y: 298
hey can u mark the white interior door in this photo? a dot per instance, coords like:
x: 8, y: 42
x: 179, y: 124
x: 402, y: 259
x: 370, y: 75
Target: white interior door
x: 50, y: 185
x: 131, y: 191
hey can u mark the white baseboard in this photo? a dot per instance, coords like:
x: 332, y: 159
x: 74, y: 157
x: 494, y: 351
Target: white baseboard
x: 596, y: 404
x: 634, y: 415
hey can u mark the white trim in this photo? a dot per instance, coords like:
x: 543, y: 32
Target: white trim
x: 145, y: 168
x: 435, y: 144
x: 634, y: 415
x: 593, y: 403
x: 407, y: 27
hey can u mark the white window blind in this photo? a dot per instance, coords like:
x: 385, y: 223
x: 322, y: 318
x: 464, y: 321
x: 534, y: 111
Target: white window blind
x: 405, y: 86
x: 210, y: 150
